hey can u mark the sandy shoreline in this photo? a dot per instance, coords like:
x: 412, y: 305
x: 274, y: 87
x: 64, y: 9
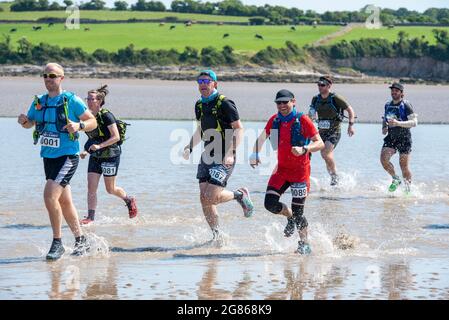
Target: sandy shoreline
x: 275, y: 73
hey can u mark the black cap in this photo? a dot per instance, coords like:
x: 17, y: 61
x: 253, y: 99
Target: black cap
x: 397, y: 85
x: 284, y: 95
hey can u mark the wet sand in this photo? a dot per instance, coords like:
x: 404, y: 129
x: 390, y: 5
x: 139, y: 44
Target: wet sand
x: 174, y: 100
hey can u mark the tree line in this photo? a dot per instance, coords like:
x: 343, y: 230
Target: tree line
x: 266, y: 14
x: 404, y: 47
x: 26, y: 52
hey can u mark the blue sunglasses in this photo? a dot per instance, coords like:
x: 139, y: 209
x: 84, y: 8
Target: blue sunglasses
x: 204, y: 81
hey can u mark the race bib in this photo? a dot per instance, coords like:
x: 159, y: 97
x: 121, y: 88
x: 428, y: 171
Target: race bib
x: 50, y: 139
x: 217, y: 174
x: 324, y: 124
x: 391, y: 116
x: 299, y: 190
x: 108, y: 168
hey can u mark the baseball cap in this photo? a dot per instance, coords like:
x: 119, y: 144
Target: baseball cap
x: 208, y: 73
x: 284, y: 95
x: 397, y: 85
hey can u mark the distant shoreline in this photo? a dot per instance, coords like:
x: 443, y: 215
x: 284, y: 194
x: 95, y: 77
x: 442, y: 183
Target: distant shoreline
x: 245, y: 120
x: 275, y: 74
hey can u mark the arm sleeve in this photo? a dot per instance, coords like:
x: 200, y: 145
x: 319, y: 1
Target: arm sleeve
x: 269, y: 125
x: 312, y: 103
x: 412, y: 120
x: 31, y: 112
x: 78, y: 105
x: 230, y: 112
x: 197, y: 113
x: 340, y: 102
x: 408, y: 109
x: 308, y: 129
x: 108, y: 119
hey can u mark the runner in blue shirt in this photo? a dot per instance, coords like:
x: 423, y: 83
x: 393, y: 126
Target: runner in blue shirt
x: 57, y: 117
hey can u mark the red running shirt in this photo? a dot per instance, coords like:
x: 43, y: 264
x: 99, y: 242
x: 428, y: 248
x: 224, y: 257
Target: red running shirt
x: 297, y: 166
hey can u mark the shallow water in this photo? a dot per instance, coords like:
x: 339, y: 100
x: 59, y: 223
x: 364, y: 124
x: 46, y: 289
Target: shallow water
x: 401, y: 242
x: 159, y: 99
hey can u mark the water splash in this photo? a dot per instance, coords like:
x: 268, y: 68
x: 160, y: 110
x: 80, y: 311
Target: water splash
x: 275, y: 240
x: 321, y: 241
x: 99, y: 247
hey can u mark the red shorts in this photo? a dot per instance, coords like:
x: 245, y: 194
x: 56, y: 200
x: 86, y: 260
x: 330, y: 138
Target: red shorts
x: 281, y: 177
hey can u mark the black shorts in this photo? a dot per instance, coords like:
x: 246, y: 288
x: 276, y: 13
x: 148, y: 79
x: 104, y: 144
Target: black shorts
x: 62, y: 169
x: 403, y: 144
x: 331, y: 135
x: 216, y: 174
x: 106, y: 166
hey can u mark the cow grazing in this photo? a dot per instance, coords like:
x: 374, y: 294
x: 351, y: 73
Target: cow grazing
x: 258, y: 36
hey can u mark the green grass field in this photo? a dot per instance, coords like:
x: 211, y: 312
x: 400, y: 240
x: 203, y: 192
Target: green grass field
x: 389, y: 34
x: 114, y: 15
x: 150, y: 35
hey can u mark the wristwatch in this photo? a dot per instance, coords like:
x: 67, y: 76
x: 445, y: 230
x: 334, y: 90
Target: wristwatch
x: 82, y: 125
x: 305, y: 150
x: 351, y: 123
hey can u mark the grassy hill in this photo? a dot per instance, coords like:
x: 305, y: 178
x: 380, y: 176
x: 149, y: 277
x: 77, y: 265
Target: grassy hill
x: 389, y: 34
x: 150, y: 35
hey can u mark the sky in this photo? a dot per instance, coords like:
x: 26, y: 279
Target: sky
x: 329, y: 5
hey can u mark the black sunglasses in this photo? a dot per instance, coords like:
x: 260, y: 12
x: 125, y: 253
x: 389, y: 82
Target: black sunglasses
x: 51, y: 75
x: 282, y: 102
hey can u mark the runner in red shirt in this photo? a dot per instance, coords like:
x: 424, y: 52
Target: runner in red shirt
x: 294, y: 136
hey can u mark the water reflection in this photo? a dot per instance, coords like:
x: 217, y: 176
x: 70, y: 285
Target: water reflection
x: 207, y: 289
x: 83, y: 280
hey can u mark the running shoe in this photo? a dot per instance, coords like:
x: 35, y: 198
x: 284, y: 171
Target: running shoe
x: 82, y: 246
x: 334, y: 180
x: 290, y: 227
x: 304, y: 248
x: 394, y: 184
x: 56, y: 250
x: 246, y: 203
x: 132, y: 207
x: 217, y: 239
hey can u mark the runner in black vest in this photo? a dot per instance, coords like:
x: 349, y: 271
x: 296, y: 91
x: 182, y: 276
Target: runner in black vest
x: 220, y: 128
x: 328, y: 108
x: 104, y: 155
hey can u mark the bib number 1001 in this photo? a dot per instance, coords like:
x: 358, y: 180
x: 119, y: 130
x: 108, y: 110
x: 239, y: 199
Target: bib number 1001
x: 50, y: 141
